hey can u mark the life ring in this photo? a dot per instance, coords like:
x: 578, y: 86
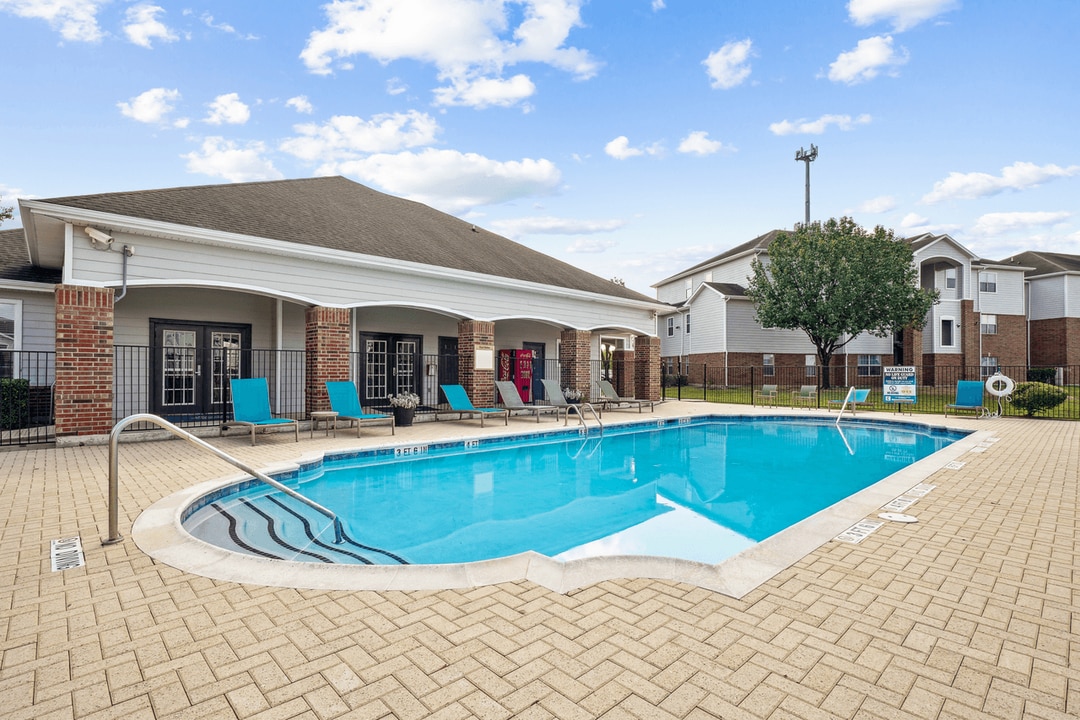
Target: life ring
x: 1006, y: 385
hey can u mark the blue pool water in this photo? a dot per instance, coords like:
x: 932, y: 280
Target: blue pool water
x: 701, y: 490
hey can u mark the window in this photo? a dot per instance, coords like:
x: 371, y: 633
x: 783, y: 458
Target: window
x: 10, y: 335
x: 950, y: 278
x: 670, y: 326
x: 686, y: 322
x: 988, y: 324
x: 869, y: 366
x: 947, y: 339
x: 988, y: 366
x: 768, y: 361
x: 811, y: 366
x: 708, y: 276
x: 988, y: 282
x: 689, y: 284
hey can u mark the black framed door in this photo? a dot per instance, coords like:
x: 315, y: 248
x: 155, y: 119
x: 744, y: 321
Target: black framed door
x: 538, y: 364
x: 191, y: 365
x: 392, y: 364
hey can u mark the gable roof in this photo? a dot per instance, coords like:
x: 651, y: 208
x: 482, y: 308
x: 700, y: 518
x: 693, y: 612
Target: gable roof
x: 339, y: 214
x: 761, y: 242
x: 15, y: 261
x: 1045, y: 263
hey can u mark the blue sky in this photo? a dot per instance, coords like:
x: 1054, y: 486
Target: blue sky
x: 632, y: 138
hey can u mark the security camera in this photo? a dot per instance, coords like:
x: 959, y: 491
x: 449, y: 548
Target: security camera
x: 97, y: 236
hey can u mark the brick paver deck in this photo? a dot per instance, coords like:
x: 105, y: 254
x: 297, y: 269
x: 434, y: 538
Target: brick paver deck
x: 970, y: 613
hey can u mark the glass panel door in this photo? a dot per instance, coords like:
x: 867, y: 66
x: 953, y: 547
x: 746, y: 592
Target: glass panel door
x: 376, y: 381
x: 225, y: 348
x: 178, y: 368
x: 405, y: 365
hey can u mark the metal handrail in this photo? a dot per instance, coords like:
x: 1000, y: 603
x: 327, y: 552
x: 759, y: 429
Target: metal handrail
x: 850, y: 396
x: 114, y: 474
x: 581, y: 418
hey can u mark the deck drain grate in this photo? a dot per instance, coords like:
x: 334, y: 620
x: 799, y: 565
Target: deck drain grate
x: 67, y: 553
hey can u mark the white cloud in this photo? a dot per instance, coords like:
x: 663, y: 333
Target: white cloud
x: 658, y: 5
x: 1003, y: 222
x: 300, y: 104
x: 880, y: 204
x: 228, y: 109
x: 547, y: 225
x: 467, y: 40
x: 346, y: 137
x: 913, y: 224
x: 819, y: 126
x: 152, y: 106
x: 226, y: 159
x: 729, y: 65
x: 225, y: 27
x: 395, y: 86
x: 454, y: 181
x: 1018, y: 176
x: 620, y: 149
x: 591, y: 245
x: 75, y: 19
x: 698, y: 143
x: 867, y: 60
x: 904, y: 14
x: 142, y: 26
x: 484, y: 92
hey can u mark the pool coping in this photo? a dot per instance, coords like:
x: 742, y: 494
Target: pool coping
x: 158, y: 532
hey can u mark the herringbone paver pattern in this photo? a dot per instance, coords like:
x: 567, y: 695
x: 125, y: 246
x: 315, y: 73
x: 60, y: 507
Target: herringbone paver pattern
x: 970, y: 613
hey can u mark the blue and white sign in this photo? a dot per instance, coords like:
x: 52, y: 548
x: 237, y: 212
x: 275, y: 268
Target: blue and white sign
x: 899, y: 384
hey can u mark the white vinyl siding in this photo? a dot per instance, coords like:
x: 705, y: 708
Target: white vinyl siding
x: 322, y: 281
x: 1008, y: 299
x: 1048, y: 297
x: 710, y: 323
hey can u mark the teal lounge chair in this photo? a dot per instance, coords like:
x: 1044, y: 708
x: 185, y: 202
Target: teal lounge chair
x: 855, y: 398
x: 610, y: 397
x: 460, y: 403
x: 251, y: 407
x: 512, y: 400
x: 345, y: 401
x: 969, y: 397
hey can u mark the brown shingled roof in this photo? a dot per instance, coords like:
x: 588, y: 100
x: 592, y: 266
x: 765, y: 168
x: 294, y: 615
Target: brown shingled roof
x: 15, y: 261
x: 1046, y: 263
x: 337, y: 213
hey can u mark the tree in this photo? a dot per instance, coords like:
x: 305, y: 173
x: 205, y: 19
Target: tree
x: 836, y: 280
x: 6, y: 213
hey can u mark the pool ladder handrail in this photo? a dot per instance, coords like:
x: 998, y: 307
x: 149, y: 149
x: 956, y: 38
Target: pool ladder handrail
x: 581, y: 418
x: 114, y: 474
x: 850, y: 396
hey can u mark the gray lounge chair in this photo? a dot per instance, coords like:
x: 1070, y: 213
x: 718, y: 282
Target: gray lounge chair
x: 512, y: 400
x: 610, y: 397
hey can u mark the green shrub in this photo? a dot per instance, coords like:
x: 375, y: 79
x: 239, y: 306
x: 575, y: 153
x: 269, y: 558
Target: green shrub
x: 14, y: 403
x: 1042, y: 375
x: 1033, y: 397
x: 675, y: 380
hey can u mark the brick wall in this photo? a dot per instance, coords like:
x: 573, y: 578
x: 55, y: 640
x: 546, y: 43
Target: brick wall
x: 1055, y: 342
x: 646, y: 368
x: 625, y: 372
x: 84, y: 360
x: 1009, y: 345
x: 326, y: 341
x: 479, y: 384
x: 575, y: 353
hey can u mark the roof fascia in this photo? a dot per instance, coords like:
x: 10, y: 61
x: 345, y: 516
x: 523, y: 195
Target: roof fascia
x: 711, y: 264
x: 202, y: 236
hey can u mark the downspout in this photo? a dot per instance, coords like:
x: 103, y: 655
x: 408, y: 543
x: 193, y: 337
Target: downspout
x: 128, y: 251
x: 1027, y: 320
x: 277, y: 352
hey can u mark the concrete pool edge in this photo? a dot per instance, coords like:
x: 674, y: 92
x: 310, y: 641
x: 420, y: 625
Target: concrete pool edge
x: 158, y: 533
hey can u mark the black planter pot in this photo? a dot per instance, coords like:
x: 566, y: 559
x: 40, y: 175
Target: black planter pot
x: 403, y: 416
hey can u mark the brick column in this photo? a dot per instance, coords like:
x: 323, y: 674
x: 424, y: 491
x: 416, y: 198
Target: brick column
x: 647, y: 367
x: 575, y: 361
x: 326, y: 342
x: 622, y: 363
x: 477, y: 338
x: 969, y: 340
x: 84, y: 360
x: 913, y: 345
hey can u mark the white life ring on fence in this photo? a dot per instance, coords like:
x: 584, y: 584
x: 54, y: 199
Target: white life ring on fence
x: 1000, y: 385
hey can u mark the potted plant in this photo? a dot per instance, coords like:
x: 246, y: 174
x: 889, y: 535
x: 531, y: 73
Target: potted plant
x: 572, y: 396
x: 404, y: 405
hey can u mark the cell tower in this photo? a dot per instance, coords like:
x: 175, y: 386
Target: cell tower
x: 807, y: 157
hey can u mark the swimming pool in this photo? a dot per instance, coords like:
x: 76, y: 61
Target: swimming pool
x: 699, y: 491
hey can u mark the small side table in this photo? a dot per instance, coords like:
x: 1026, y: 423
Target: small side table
x: 329, y: 420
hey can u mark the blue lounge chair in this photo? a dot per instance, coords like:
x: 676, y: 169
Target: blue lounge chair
x: 251, y: 407
x: 512, y: 400
x: 969, y: 397
x: 345, y: 401
x: 611, y: 398
x: 855, y: 398
x: 460, y: 403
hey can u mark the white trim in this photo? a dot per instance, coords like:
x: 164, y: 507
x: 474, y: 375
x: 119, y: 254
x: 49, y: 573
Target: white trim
x: 200, y: 236
x: 27, y: 285
x: 18, y: 324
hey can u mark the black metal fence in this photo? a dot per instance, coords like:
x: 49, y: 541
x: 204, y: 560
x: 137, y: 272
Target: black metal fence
x: 935, y: 386
x: 27, y: 379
